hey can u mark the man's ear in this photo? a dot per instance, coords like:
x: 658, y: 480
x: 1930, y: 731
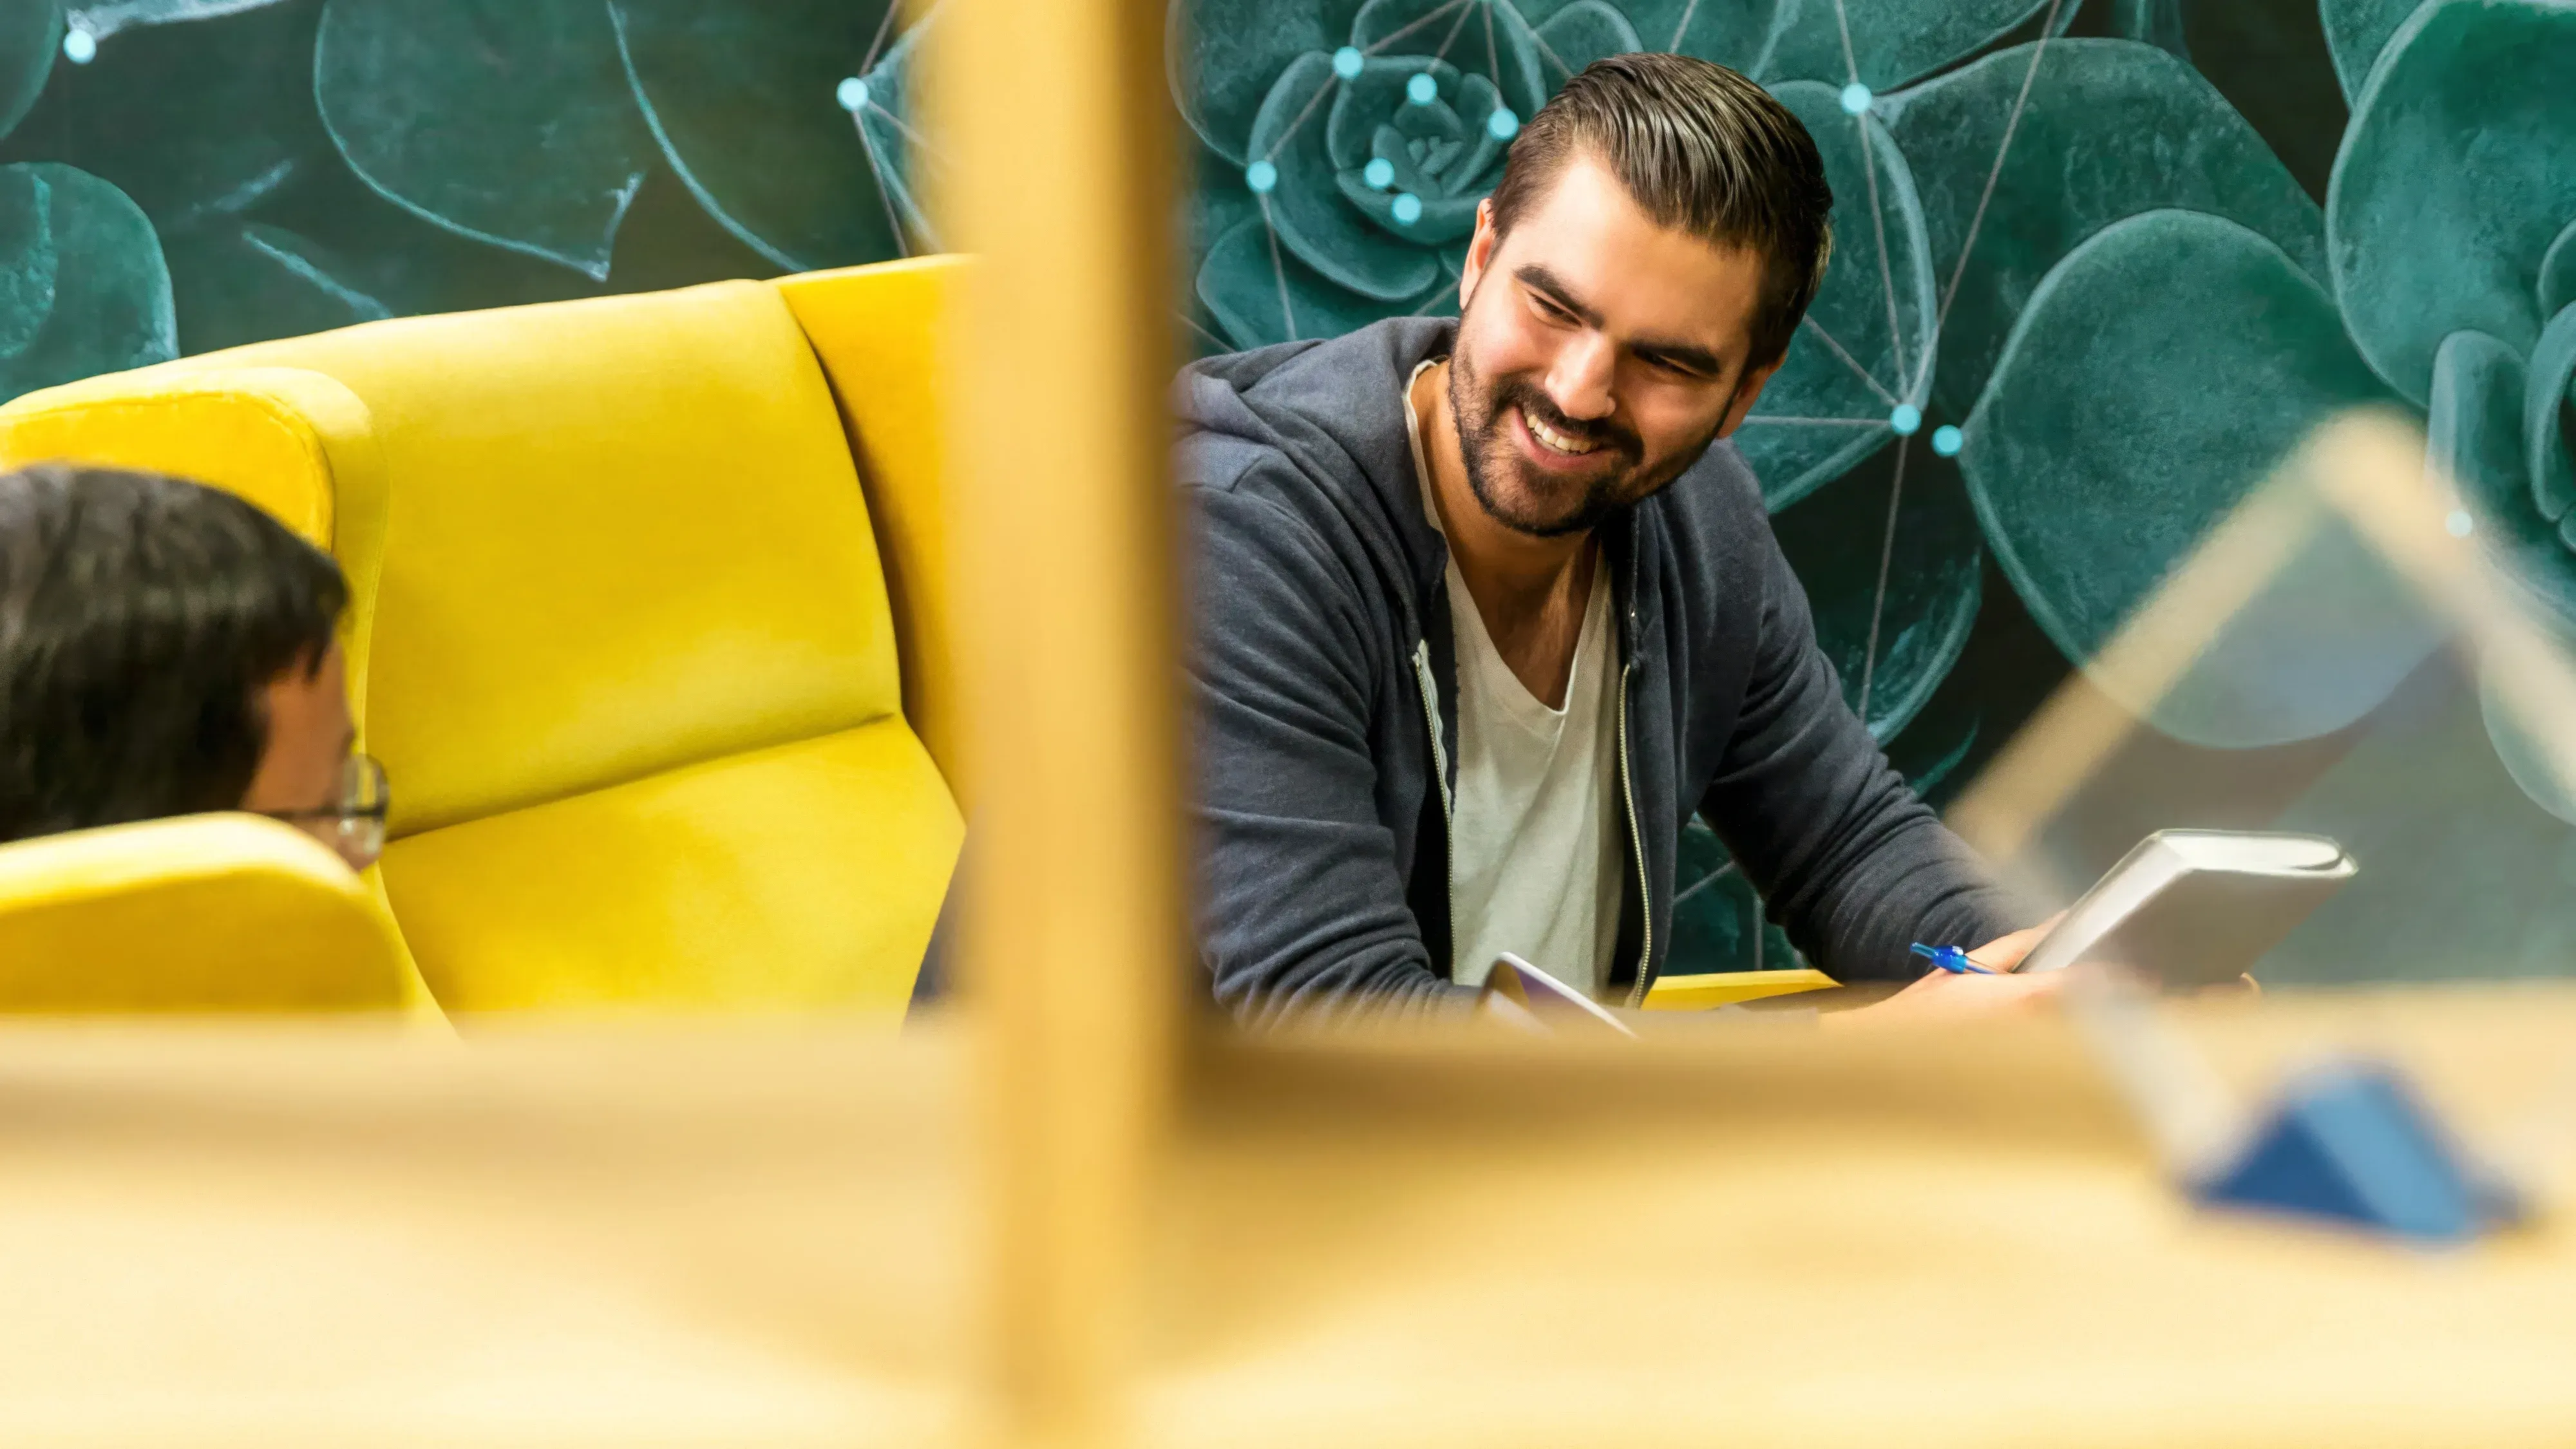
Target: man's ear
x: 1480, y: 251
x: 1747, y: 392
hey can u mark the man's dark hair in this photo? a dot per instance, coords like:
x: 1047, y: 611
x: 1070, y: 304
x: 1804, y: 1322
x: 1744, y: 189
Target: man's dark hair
x: 1703, y: 151
x: 141, y: 618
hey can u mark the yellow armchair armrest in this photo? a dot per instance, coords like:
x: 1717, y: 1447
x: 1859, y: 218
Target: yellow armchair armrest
x: 195, y: 914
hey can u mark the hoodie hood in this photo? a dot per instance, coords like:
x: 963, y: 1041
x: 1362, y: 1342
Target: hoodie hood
x: 1335, y: 410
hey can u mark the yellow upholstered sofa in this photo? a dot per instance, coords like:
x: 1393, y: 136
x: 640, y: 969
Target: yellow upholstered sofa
x: 621, y: 628
x: 199, y: 913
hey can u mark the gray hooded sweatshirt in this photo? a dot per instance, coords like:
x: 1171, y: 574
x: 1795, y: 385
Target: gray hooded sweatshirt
x: 1325, y: 692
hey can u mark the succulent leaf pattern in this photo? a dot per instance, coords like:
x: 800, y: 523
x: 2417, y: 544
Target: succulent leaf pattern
x: 191, y: 174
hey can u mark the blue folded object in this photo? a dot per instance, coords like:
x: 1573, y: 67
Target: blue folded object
x: 2351, y: 1142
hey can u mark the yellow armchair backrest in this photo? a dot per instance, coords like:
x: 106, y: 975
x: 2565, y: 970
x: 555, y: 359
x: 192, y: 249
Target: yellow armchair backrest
x: 878, y: 332
x: 621, y: 636
x: 200, y: 913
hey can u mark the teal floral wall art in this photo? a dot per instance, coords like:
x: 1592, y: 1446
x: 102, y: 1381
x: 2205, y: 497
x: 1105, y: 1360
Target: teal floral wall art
x: 182, y: 175
x: 2099, y: 264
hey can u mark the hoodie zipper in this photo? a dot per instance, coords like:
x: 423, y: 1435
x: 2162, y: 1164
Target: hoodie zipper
x: 1637, y: 848
x: 1439, y: 751
x: 1440, y: 776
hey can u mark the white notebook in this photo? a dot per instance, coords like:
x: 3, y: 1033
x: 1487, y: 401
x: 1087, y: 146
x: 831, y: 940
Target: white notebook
x: 2195, y: 907
x: 1521, y: 995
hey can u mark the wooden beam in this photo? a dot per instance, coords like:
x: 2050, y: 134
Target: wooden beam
x: 1059, y: 182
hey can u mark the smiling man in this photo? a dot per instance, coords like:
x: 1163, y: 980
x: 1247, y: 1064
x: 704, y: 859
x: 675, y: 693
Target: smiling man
x: 1486, y: 610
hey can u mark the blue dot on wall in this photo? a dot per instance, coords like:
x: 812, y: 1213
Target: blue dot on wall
x: 1379, y: 173
x: 1422, y: 90
x: 1502, y: 125
x: 852, y: 94
x: 1347, y: 61
x: 2460, y: 523
x: 1408, y: 208
x: 1856, y: 98
x: 1905, y: 419
x: 79, y: 47
x: 1947, y: 441
x: 1261, y: 176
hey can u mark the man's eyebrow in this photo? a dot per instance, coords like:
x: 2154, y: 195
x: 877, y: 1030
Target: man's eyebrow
x: 1539, y: 279
x: 1680, y: 354
x: 1683, y: 354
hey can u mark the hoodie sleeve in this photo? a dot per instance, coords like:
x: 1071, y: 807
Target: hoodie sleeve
x: 1301, y: 899
x: 1853, y: 864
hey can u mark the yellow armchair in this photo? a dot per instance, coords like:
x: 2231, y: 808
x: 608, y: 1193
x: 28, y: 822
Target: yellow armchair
x: 620, y: 626
x: 200, y: 913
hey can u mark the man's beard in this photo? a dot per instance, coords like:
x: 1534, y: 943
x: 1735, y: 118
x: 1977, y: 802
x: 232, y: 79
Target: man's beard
x: 1488, y: 451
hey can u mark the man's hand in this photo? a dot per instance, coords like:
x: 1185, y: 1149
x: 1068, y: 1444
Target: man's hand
x: 1944, y: 996
x: 2005, y: 953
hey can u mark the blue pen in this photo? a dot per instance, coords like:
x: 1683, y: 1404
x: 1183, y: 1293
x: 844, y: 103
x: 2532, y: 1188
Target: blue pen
x: 1951, y: 959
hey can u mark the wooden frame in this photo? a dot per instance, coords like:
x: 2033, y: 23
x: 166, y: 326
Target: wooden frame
x: 1061, y: 175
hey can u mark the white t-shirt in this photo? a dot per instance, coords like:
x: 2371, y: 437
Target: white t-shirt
x: 1535, y: 861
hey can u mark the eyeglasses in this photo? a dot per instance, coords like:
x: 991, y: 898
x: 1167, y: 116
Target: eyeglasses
x: 354, y: 824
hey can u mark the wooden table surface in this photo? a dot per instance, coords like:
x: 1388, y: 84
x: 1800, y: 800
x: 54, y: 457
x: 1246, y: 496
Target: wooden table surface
x: 765, y: 1235
x: 1819, y: 1242
x: 291, y: 1237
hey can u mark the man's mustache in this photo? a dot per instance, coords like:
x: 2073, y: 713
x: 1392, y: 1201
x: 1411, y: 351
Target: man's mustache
x: 1534, y: 404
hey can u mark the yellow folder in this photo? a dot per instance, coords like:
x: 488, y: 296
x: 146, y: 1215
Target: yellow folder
x: 1726, y: 988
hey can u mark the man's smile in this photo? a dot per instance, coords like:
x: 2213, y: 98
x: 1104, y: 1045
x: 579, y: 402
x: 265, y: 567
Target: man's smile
x: 1558, y: 442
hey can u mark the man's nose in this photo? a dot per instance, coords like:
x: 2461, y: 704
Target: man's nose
x: 1580, y: 384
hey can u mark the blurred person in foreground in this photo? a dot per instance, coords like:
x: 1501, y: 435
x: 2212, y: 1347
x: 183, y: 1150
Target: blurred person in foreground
x: 1486, y: 609
x: 169, y: 649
